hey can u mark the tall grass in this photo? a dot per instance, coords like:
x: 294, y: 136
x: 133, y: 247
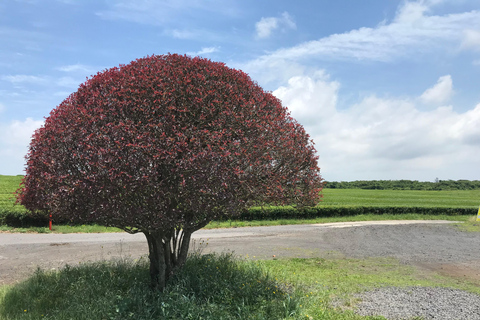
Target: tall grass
x: 213, y: 287
x: 209, y: 287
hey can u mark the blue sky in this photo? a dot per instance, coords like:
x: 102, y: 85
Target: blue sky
x: 386, y: 89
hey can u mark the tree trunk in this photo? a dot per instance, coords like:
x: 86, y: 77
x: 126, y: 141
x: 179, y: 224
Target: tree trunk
x: 167, y: 253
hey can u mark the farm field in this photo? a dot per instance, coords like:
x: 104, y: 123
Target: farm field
x: 8, y: 185
x: 401, y: 198
x: 331, y: 197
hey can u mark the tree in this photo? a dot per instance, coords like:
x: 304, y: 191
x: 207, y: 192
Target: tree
x: 164, y: 145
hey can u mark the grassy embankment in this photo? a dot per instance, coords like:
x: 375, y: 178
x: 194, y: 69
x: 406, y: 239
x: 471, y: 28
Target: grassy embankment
x: 331, y: 198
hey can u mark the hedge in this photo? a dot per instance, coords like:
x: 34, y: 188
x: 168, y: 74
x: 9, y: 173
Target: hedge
x: 275, y: 213
x: 24, y: 219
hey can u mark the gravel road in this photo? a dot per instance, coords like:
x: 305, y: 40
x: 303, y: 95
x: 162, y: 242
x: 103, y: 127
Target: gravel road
x: 436, y: 245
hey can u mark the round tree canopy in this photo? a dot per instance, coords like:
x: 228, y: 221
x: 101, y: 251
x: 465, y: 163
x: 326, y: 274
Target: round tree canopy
x: 168, y: 141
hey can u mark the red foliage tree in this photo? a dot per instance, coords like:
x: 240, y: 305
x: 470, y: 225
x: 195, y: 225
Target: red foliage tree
x: 164, y: 145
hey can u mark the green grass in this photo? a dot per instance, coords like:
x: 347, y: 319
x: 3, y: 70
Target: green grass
x: 209, y: 287
x: 363, y: 217
x: 326, y: 281
x: 8, y: 185
x: 212, y: 287
x: 401, y: 198
x: 468, y: 223
x: 62, y: 229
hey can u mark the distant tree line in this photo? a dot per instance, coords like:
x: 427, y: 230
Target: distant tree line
x: 404, y: 185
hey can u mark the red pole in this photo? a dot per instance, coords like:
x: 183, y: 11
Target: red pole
x: 50, y: 223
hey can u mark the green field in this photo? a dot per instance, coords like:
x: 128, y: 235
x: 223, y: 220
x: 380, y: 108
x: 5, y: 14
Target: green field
x: 331, y: 197
x: 349, y: 199
x: 401, y: 198
x: 8, y: 185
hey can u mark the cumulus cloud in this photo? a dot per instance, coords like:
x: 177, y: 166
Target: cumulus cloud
x: 310, y: 99
x: 265, y: 27
x: 380, y: 138
x: 15, y: 138
x: 440, y: 92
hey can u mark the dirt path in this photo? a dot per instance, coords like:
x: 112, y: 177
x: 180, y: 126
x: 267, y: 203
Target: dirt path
x: 435, y: 245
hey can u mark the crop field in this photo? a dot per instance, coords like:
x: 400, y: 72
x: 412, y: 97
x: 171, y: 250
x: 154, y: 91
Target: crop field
x: 331, y: 197
x: 8, y: 185
x: 401, y: 198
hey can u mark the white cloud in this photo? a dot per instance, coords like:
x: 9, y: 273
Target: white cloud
x: 440, y: 92
x: 77, y: 68
x: 15, y: 138
x: 22, y: 78
x: 154, y: 12
x: 380, y: 138
x: 266, y: 26
x: 413, y: 32
x: 68, y: 82
x: 471, y: 40
x: 193, y: 34
x: 411, y: 12
x: 204, y: 51
x: 310, y: 99
x: 182, y: 34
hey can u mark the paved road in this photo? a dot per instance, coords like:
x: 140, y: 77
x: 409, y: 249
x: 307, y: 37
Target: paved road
x: 431, y: 244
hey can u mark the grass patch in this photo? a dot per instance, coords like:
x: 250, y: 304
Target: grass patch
x: 325, y: 283
x: 94, y: 228
x: 212, y: 287
x: 470, y: 225
x: 365, y: 217
x: 209, y: 287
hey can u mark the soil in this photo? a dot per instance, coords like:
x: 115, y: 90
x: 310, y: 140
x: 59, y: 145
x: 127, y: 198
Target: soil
x: 437, y: 246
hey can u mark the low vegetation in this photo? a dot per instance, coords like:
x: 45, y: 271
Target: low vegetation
x: 211, y: 287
